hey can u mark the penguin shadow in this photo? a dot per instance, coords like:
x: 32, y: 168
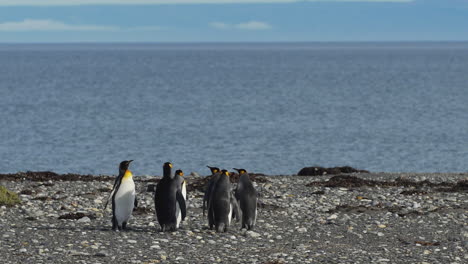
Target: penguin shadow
x: 86, y: 228
x: 129, y: 229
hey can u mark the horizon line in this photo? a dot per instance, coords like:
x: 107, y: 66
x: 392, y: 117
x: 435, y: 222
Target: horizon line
x: 238, y: 42
x: 33, y: 3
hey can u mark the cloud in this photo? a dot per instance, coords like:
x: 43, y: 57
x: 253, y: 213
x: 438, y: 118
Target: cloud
x: 165, y: 2
x: 53, y: 25
x: 143, y: 28
x: 219, y: 25
x: 50, y: 25
x: 251, y: 25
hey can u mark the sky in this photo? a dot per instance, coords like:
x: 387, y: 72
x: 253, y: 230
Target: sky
x: 50, y: 21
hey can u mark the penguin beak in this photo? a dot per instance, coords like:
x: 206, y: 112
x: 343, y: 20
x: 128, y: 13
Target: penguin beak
x: 236, y: 169
x: 130, y: 161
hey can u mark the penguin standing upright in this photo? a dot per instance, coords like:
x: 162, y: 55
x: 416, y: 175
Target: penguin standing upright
x: 222, y: 203
x: 179, y: 177
x: 215, y: 172
x: 123, y: 197
x: 168, y: 199
x: 246, y: 196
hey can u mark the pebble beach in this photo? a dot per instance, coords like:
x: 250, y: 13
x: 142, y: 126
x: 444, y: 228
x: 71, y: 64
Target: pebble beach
x: 346, y: 218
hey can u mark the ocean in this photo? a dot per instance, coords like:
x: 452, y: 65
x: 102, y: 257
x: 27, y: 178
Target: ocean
x: 270, y: 108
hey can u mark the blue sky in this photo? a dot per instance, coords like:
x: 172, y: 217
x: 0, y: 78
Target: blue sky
x: 232, y: 21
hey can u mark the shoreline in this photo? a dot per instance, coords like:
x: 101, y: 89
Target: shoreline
x: 346, y: 218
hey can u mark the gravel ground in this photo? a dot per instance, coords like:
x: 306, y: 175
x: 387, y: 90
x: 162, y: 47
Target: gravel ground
x: 299, y: 222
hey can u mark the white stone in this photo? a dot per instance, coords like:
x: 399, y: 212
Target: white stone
x: 252, y: 234
x: 302, y: 230
x: 83, y: 220
x: 333, y: 216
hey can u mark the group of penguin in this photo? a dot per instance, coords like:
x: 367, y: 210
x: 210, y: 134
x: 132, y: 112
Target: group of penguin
x: 170, y: 198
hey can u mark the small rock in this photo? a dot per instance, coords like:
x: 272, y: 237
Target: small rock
x: 131, y: 241
x: 302, y: 230
x: 252, y: 234
x: 83, y: 220
x: 333, y: 216
x: 101, y: 254
x: 23, y: 250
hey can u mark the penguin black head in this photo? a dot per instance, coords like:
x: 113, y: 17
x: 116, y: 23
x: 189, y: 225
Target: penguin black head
x: 179, y: 172
x: 167, y: 167
x: 225, y: 172
x: 124, y: 165
x: 240, y: 171
x: 213, y: 169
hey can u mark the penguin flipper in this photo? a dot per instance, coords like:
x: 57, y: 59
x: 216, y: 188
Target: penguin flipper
x: 205, y: 200
x: 105, y: 206
x: 181, y: 201
x: 116, y: 184
x: 110, y: 196
x: 206, y: 196
x: 135, y: 203
x: 235, y: 208
x: 204, y: 206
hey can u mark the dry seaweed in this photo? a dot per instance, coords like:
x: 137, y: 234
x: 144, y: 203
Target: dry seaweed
x: 319, y: 171
x: 75, y: 216
x: 349, y: 181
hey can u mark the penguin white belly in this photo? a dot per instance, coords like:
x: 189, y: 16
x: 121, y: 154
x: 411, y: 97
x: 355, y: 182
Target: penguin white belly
x: 124, y: 201
x: 230, y: 214
x: 255, y: 219
x: 184, y: 191
x: 178, y: 212
x: 179, y: 217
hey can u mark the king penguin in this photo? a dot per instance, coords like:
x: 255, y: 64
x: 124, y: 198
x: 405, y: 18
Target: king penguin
x: 246, y: 196
x: 169, y: 199
x: 222, y: 203
x: 179, y: 177
x: 123, y: 197
x: 215, y: 172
